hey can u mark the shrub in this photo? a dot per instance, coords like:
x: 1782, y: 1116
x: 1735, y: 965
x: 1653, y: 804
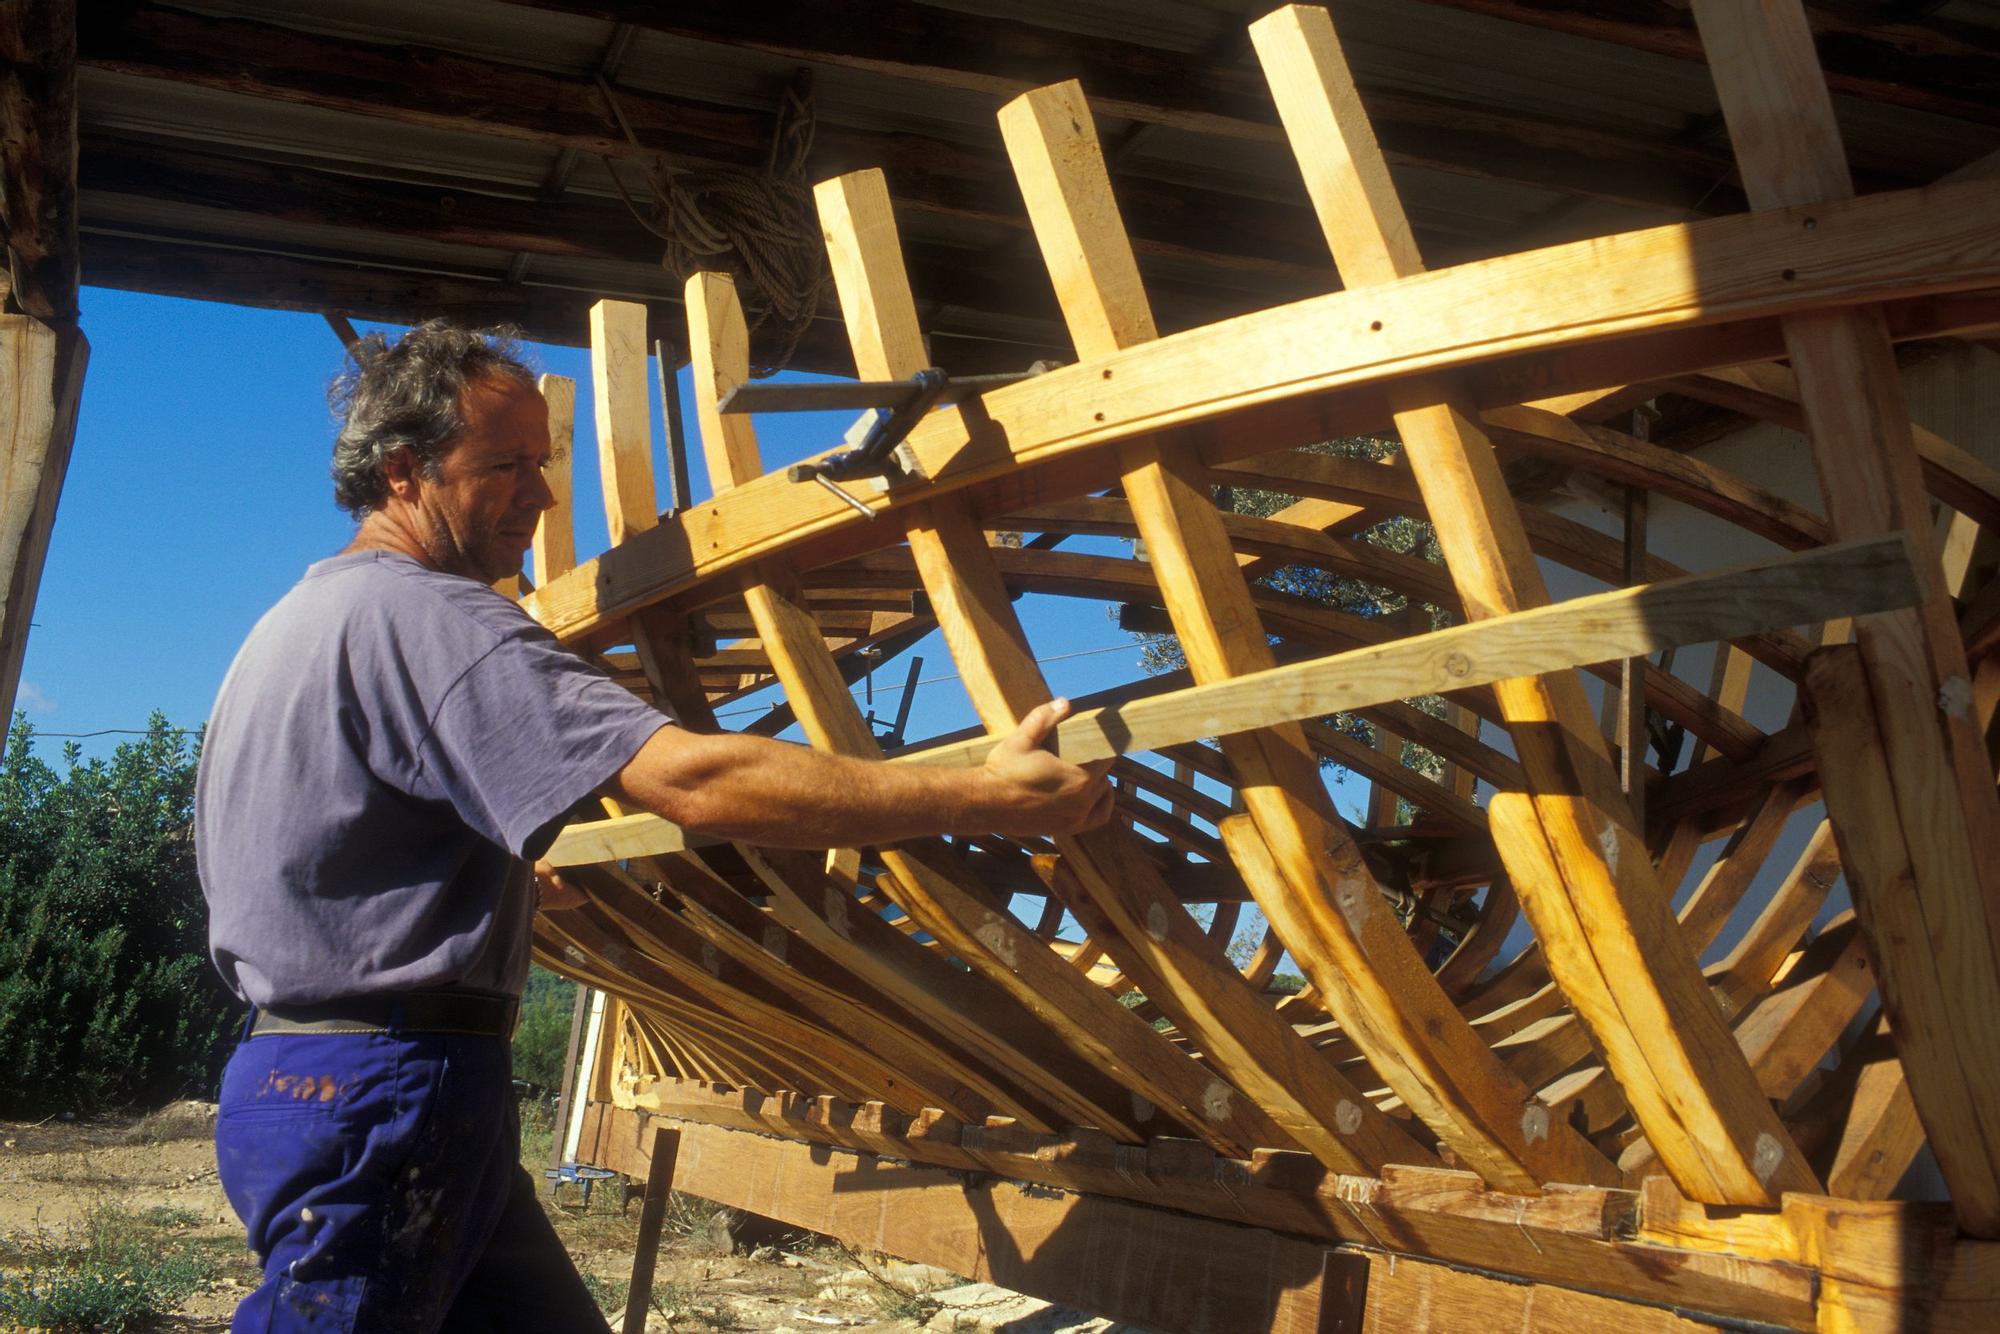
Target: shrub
x: 118, y: 1274
x: 542, y: 1039
x: 106, y: 994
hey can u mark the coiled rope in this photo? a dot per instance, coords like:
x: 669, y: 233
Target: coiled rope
x: 759, y: 226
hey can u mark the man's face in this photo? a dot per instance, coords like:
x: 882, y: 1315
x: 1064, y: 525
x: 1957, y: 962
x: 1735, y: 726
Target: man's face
x: 477, y: 516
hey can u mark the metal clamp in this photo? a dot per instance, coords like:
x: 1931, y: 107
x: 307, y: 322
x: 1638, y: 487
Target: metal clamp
x: 897, y: 405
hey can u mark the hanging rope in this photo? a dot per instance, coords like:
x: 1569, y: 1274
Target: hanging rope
x: 759, y: 226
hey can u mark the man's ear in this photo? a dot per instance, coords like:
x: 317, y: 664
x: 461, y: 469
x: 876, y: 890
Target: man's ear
x: 400, y: 470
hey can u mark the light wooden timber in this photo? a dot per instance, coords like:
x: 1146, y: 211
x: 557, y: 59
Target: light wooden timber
x: 624, y: 423
x: 41, y: 387
x: 1880, y: 1132
x: 1572, y: 851
x: 1117, y: 894
x: 921, y: 881
x: 1667, y: 279
x: 1328, y: 910
x: 1940, y: 782
x: 555, y: 532
x: 1838, y: 579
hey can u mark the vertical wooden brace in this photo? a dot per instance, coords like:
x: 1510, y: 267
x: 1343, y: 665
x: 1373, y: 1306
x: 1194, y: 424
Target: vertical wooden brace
x: 555, y: 531
x: 41, y: 387
x: 624, y: 416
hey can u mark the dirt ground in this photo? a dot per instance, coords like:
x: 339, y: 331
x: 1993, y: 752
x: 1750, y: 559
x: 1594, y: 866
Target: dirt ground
x: 716, y: 1271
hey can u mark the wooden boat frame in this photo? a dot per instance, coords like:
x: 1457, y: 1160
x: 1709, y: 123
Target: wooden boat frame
x: 876, y: 1045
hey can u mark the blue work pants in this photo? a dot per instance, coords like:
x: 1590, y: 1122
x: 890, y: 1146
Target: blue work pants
x: 378, y: 1175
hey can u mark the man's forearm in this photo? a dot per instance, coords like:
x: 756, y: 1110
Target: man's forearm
x: 780, y: 795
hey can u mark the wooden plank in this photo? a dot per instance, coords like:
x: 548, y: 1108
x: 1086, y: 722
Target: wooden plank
x: 1623, y: 622
x: 38, y: 148
x: 623, y: 395
x: 41, y: 386
x: 1332, y: 916
x: 659, y: 1185
x: 1137, y: 917
x: 1940, y: 782
x: 555, y: 530
x: 1574, y: 854
x: 1661, y: 281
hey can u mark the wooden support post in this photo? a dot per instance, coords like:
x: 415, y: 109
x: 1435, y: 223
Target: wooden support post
x: 1631, y: 738
x: 1933, y: 810
x: 652, y: 1215
x: 38, y: 157
x: 555, y: 531
x: 1576, y: 858
x: 577, y: 1013
x: 41, y: 385
x: 680, y: 492
x: 624, y: 423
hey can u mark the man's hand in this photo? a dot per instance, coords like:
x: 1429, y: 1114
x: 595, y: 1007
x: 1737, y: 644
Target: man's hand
x: 553, y: 893
x: 1035, y: 791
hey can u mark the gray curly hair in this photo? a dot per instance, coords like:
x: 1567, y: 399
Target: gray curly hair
x: 409, y: 396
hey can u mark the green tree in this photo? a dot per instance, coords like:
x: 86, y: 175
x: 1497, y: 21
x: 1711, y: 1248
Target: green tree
x: 542, y: 1038
x: 106, y: 993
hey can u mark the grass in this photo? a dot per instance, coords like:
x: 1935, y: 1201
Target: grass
x: 681, y: 1307
x: 116, y: 1271
x: 608, y: 1293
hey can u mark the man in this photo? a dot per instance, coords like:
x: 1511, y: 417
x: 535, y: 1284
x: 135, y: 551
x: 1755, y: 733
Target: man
x: 393, y: 746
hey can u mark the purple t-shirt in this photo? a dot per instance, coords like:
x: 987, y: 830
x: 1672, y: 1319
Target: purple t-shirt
x: 388, y: 746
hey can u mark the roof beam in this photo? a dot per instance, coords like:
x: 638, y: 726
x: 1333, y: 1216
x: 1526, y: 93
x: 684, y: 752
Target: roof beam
x: 138, y: 172
x: 38, y: 155
x: 1937, y: 67
x: 424, y: 86
x: 1003, y: 57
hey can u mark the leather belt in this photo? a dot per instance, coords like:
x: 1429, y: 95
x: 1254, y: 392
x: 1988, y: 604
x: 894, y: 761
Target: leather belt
x: 474, y: 1013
